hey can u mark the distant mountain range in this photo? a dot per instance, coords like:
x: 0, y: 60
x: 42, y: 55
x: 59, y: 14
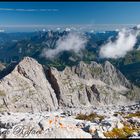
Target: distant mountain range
x: 15, y: 46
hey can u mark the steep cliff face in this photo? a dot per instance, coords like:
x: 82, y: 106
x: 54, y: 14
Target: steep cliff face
x: 106, y: 73
x: 27, y: 89
x: 30, y: 87
x: 93, y: 84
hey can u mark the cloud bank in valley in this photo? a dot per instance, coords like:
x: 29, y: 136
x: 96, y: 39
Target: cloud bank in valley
x: 124, y: 43
x: 73, y: 41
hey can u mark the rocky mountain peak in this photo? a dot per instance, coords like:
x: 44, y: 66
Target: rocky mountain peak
x: 30, y: 87
x: 109, y: 68
x: 114, y: 76
x: 106, y: 73
x: 27, y: 89
x: 30, y: 69
x: 94, y: 64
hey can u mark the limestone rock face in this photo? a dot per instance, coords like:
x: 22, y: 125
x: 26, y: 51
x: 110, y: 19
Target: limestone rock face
x: 106, y: 73
x: 30, y: 87
x: 27, y: 89
x: 91, y: 84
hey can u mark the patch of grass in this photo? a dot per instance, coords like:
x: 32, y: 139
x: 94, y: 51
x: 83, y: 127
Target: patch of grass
x: 124, y: 132
x: 66, y: 81
x: 90, y: 117
x: 2, y: 93
x: 136, y: 114
x: 96, y: 70
x: 81, y: 86
x: 2, y: 108
x: 31, y: 92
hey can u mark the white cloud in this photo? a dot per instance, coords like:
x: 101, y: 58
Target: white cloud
x: 125, y: 42
x: 73, y: 41
x: 29, y: 10
x: 1, y: 30
x: 67, y: 29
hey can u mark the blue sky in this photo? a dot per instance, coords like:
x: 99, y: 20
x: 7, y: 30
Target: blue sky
x: 60, y: 13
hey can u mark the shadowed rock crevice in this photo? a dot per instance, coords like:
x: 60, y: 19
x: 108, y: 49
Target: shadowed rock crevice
x: 88, y: 95
x: 53, y: 82
x: 96, y: 92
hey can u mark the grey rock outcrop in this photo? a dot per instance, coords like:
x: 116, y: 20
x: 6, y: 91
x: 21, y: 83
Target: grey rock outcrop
x: 2, y: 67
x: 30, y: 87
x: 27, y: 89
x: 91, y: 84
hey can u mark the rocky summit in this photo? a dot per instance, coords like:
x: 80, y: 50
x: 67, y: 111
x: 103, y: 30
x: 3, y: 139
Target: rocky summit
x: 31, y: 88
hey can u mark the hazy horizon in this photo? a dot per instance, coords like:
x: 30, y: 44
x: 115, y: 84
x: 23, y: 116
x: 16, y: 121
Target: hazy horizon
x: 32, y: 16
x: 86, y: 27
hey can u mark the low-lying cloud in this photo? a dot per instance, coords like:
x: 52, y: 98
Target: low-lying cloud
x: 1, y: 30
x: 124, y: 43
x: 73, y: 41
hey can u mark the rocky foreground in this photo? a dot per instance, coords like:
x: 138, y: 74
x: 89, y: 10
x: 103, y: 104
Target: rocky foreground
x: 102, y: 122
